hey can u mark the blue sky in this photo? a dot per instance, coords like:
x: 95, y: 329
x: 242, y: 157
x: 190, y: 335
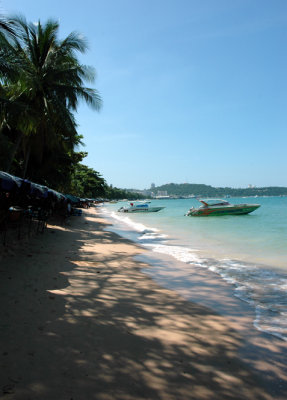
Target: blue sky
x: 193, y: 90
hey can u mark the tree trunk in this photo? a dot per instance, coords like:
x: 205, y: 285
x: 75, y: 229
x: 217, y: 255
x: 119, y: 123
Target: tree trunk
x: 14, y: 151
x: 27, y: 157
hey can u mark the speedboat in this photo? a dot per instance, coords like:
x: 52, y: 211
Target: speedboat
x: 139, y: 207
x: 221, y: 207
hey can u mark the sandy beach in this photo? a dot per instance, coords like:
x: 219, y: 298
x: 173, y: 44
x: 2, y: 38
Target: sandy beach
x: 81, y: 320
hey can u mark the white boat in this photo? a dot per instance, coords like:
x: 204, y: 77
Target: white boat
x: 139, y: 207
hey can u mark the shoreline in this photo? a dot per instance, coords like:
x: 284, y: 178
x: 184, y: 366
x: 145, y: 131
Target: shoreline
x: 252, y: 283
x: 82, y: 319
x: 234, y: 248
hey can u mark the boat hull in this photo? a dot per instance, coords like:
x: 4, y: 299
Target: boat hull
x: 140, y: 210
x: 240, y: 209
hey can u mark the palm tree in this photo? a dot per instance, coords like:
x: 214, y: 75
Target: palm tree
x: 8, y: 71
x: 6, y: 26
x: 7, y: 33
x: 49, y: 87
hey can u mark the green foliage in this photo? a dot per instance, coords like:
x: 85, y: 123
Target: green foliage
x: 41, y: 84
x: 118, y: 194
x: 87, y: 182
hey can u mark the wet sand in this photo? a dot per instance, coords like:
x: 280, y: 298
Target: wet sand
x: 81, y: 320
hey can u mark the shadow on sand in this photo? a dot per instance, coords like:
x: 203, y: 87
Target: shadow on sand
x: 79, y: 320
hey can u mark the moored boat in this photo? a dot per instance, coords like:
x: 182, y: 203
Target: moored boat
x: 139, y: 207
x: 221, y: 207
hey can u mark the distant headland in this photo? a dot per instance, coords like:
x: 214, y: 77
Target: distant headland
x: 187, y: 190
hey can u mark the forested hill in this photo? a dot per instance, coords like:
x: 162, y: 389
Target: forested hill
x: 187, y: 189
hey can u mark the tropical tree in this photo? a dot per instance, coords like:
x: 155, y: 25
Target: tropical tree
x: 88, y: 183
x: 48, y: 88
x: 6, y: 26
x: 8, y: 71
x: 7, y: 32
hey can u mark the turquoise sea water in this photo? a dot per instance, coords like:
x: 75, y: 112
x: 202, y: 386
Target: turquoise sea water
x: 248, y: 251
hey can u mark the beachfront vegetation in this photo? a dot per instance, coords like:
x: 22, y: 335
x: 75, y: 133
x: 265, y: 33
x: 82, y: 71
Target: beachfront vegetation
x: 41, y: 84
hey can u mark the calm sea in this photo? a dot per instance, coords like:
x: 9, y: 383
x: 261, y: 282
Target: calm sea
x: 247, y: 251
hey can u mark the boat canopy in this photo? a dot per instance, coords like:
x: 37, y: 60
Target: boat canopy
x: 214, y: 202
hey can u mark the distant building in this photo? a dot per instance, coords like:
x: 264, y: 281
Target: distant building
x: 161, y: 193
x: 146, y: 192
x: 152, y: 186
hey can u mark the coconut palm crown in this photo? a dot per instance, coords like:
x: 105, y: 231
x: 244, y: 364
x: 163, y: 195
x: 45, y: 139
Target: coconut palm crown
x: 48, y: 88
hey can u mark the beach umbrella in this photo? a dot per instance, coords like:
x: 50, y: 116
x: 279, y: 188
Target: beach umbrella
x: 39, y: 190
x: 9, y: 182
x: 56, y: 195
x: 73, y: 199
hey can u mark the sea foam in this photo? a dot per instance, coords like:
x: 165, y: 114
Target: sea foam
x: 264, y: 289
